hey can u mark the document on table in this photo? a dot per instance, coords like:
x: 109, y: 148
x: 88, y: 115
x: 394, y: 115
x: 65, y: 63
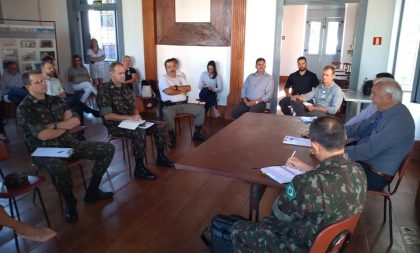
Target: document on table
x: 307, y: 104
x: 53, y: 152
x: 281, y: 174
x: 130, y: 124
x: 307, y: 119
x: 298, y: 141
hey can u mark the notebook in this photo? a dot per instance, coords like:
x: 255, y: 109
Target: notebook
x: 281, y: 174
x: 297, y: 141
x: 53, y: 152
x: 130, y: 124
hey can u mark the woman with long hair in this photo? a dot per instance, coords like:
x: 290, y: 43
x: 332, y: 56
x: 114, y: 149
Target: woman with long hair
x: 210, y: 84
x: 79, y: 77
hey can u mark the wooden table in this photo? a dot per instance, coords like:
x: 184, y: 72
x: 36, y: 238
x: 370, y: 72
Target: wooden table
x: 254, y: 140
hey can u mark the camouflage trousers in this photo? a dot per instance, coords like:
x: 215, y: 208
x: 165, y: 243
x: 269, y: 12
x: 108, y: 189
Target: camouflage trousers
x: 169, y: 113
x: 102, y: 153
x: 138, y: 138
x: 269, y: 235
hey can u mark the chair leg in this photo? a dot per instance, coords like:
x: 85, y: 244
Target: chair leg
x: 83, y: 176
x: 11, y: 201
x: 385, y: 200
x: 390, y: 224
x: 189, y: 123
x: 16, y: 208
x: 125, y: 143
x: 60, y: 197
x: 43, y: 206
x: 16, y: 242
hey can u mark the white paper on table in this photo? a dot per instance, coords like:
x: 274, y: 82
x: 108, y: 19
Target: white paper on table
x: 53, y: 152
x: 307, y: 104
x: 281, y: 174
x: 307, y: 119
x: 298, y: 141
x: 146, y: 125
x: 130, y: 124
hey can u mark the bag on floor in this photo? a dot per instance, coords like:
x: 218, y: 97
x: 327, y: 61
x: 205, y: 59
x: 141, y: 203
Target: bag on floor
x: 218, y: 236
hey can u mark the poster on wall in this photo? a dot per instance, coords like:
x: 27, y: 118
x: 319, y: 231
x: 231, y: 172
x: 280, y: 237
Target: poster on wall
x: 27, y: 43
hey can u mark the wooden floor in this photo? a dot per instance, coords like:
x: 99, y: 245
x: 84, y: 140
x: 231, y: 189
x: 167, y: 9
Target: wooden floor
x: 167, y: 215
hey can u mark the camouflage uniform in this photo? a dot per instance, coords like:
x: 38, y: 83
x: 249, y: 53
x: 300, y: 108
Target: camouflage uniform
x: 334, y: 190
x: 33, y: 116
x: 120, y: 100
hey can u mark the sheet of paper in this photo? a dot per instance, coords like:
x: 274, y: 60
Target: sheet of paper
x: 146, y: 125
x: 282, y: 174
x: 307, y: 119
x: 130, y: 124
x: 53, y: 152
x: 298, y: 141
x: 307, y: 104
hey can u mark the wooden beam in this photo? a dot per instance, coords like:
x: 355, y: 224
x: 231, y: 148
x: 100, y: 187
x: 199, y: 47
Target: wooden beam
x: 149, y: 38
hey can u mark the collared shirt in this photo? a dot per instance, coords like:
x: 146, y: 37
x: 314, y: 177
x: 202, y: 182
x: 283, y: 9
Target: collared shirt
x: 54, y: 87
x: 301, y: 84
x: 258, y: 86
x: 34, y: 115
x: 365, y: 114
x: 389, y: 142
x: 118, y: 100
x: 327, y: 97
x: 100, y: 53
x: 215, y: 83
x: 166, y: 81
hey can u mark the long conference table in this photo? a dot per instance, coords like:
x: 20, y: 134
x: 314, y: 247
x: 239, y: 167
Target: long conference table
x: 253, y: 141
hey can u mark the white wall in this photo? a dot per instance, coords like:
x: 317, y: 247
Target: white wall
x: 45, y: 10
x: 292, y: 46
x: 193, y: 61
x: 350, y: 19
x: 379, y: 23
x: 259, y: 34
x: 133, y: 33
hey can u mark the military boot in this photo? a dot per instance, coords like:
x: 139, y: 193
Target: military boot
x: 93, y: 193
x: 142, y: 172
x: 162, y: 160
x: 197, y: 136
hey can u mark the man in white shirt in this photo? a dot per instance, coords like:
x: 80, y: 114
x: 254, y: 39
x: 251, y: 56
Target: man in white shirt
x: 173, y: 89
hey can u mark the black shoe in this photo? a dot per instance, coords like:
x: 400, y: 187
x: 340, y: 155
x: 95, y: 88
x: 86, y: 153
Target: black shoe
x: 97, y: 195
x: 198, y: 137
x: 70, y: 213
x: 143, y: 173
x: 96, y: 113
x: 164, y: 161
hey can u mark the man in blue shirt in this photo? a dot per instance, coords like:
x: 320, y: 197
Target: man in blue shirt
x: 256, y: 91
x: 385, y: 138
x: 327, y: 98
x: 301, y: 82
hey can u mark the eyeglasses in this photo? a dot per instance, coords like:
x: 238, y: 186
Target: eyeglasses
x: 41, y: 81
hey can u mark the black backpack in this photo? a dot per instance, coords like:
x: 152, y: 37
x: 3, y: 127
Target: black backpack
x: 367, y: 87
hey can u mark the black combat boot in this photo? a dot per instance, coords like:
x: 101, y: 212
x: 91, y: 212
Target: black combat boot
x: 162, y: 160
x: 172, y: 139
x: 70, y: 211
x: 93, y: 193
x: 197, y: 136
x: 142, y: 172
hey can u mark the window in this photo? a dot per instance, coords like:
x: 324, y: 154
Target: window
x: 332, y: 38
x: 314, y: 37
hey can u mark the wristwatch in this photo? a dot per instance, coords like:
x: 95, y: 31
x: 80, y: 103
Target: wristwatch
x: 53, y: 125
x: 176, y: 87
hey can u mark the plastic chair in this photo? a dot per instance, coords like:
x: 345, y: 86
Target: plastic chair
x: 335, y: 237
x: 387, y: 193
x: 11, y: 193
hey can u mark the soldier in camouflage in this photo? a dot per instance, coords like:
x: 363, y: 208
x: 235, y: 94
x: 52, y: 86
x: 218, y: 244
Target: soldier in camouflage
x: 332, y: 191
x: 116, y: 103
x: 46, y: 123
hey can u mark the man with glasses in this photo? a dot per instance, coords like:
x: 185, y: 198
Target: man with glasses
x: 46, y: 123
x: 11, y: 87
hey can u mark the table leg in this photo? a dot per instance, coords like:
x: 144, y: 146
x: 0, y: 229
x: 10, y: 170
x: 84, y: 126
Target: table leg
x: 255, y: 193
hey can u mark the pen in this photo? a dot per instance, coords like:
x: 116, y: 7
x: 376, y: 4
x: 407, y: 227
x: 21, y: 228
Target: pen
x: 293, y: 154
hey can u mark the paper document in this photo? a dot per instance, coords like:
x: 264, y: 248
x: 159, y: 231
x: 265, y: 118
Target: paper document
x: 307, y: 119
x: 53, y: 152
x: 130, y: 124
x: 281, y: 174
x: 307, y: 104
x: 146, y: 125
x: 298, y: 141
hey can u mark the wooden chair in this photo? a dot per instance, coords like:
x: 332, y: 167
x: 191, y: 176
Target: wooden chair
x: 335, y: 237
x: 181, y: 116
x: 387, y: 193
x: 11, y: 193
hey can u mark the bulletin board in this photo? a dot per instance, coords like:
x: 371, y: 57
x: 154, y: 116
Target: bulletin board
x: 27, y: 42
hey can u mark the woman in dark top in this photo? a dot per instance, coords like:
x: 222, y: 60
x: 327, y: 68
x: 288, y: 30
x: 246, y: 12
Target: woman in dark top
x: 131, y: 76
